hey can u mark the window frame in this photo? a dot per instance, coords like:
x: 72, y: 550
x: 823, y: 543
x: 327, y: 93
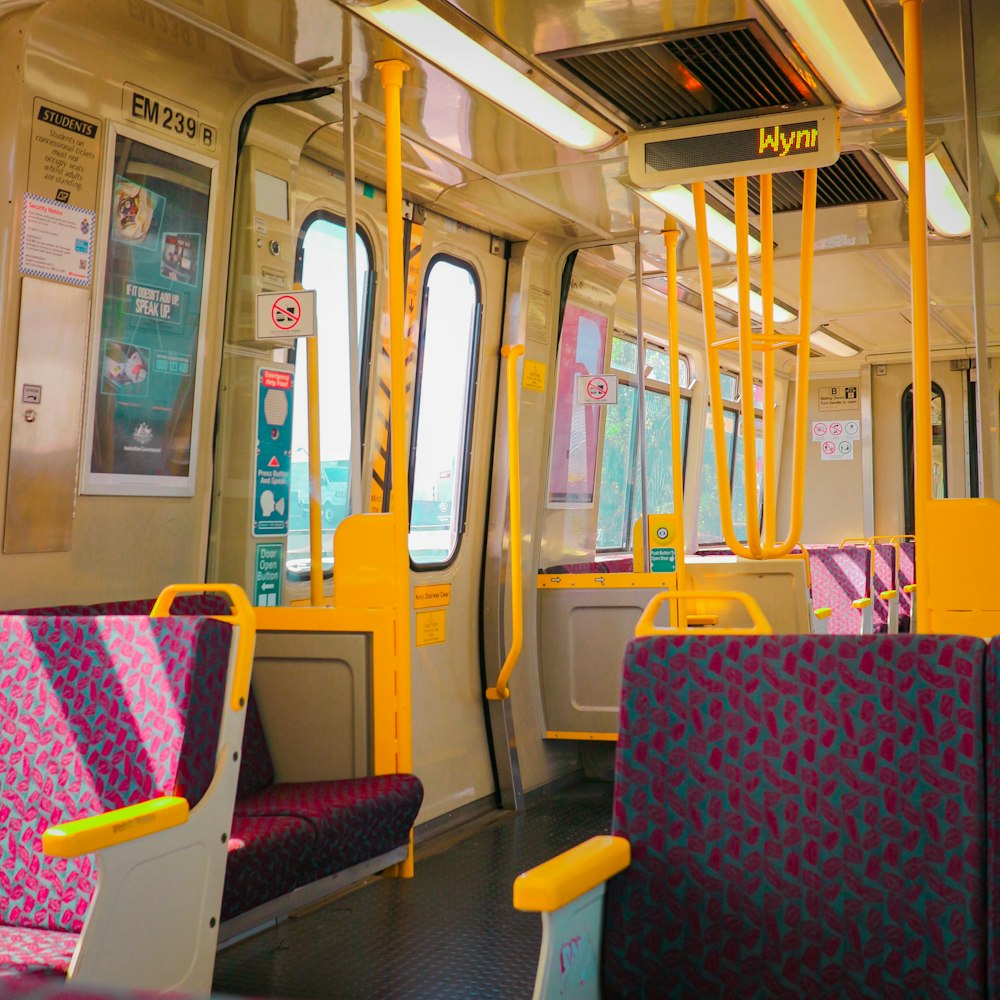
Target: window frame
x: 907, y: 433
x: 366, y: 323
x: 459, y: 502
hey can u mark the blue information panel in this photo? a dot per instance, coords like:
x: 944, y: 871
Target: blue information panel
x: 274, y: 452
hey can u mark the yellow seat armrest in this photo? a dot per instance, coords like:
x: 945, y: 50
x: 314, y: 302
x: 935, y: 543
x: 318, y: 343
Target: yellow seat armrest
x: 861, y: 602
x: 83, y: 836
x: 889, y: 595
x: 569, y: 875
x: 909, y: 588
x: 822, y: 613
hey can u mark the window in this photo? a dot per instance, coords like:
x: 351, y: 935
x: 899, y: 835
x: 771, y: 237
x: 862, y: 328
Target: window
x: 443, y: 410
x: 939, y: 452
x: 322, y: 264
x: 620, y: 501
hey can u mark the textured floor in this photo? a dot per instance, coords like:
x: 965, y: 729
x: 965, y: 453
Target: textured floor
x: 450, y: 932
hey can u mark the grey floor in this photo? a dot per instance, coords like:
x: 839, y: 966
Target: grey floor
x: 450, y: 932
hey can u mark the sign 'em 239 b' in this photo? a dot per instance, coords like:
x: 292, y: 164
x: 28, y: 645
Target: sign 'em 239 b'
x: 792, y: 140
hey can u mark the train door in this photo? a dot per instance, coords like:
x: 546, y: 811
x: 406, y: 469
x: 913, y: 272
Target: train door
x: 454, y: 380
x: 892, y: 439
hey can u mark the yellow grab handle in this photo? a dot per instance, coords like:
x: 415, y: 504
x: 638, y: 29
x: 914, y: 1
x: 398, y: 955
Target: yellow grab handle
x: 862, y: 602
x: 822, y: 613
x: 909, y: 588
x: 855, y: 541
x: 242, y: 615
x: 646, y: 626
x: 92, y: 833
x: 889, y: 595
x: 554, y: 883
x: 500, y: 692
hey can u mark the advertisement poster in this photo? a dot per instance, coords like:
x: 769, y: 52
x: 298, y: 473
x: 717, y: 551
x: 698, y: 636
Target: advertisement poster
x: 144, y: 411
x: 573, y: 466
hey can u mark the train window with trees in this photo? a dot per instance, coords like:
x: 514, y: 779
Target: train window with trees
x: 321, y: 263
x: 939, y: 451
x: 443, y: 408
x: 709, y: 515
x: 620, y: 499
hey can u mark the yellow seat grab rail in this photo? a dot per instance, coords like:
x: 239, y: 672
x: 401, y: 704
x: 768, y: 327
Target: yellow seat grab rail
x: 500, y: 691
x: 242, y: 614
x: 759, y: 544
x: 647, y: 627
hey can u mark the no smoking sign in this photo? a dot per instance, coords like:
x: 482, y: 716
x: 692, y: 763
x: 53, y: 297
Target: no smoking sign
x: 597, y: 389
x: 281, y: 315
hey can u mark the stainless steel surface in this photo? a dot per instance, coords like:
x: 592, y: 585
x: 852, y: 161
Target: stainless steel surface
x: 47, y: 416
x: 314, y: 696
x: 985, y: 442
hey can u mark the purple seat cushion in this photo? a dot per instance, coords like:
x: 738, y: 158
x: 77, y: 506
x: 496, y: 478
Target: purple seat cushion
x: 806, y: 814
x: 256, y: 766
x: 355, y: 819
x: 29, y: 950
x: 266, y: 857
x: 97, y: 714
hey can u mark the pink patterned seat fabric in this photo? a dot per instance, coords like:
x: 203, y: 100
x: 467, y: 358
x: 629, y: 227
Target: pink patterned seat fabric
x: 840, y: 576
x: 97, y: 714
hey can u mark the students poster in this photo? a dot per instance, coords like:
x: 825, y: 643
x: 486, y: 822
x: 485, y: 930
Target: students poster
x: 143, y: 415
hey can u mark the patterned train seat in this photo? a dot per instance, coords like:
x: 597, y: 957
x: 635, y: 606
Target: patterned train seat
x: 840, y: 576
x: 806, y: 818
x: 98, y: 713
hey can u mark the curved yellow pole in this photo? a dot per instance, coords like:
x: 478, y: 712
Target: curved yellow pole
x: 392, y: 71
x: 770, y: 491
x: 747, y: 409
x: 501, y: 691
x: 913, y: 59
x: 670, y: 237
x: 714, y: 374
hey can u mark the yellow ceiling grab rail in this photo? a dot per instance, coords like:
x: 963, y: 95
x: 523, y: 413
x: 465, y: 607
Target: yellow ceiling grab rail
x: 764, y: 342
x: 500, y: 691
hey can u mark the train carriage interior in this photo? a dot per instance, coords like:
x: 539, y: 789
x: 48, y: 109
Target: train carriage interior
x: 561, y: 439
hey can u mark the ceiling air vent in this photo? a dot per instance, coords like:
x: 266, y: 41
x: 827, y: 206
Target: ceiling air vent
x: 852, y: 180
x: 728, y: 70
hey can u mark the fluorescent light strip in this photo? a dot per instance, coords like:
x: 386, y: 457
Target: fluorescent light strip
x: 443, y: 44
x: 945, y: 209
x: 838, y: 48
x: 832, y: 345
x: 731, y: 293
x: 678, y: 201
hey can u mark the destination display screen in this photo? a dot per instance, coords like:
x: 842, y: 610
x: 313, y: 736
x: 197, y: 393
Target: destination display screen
x: 765, y: 143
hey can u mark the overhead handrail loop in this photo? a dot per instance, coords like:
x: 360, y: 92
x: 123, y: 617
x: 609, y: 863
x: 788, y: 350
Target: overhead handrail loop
x: 500, y: 692
x: 765, y: 342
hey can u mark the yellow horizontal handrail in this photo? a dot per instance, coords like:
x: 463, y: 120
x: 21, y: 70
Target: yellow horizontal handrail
x: 646, y: 626
x: 242, y: 615
x: 92, y: 833
x: 856, y: 541
x: 501, y: 691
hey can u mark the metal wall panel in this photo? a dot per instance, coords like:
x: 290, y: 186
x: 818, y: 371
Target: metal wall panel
x: 47, y: 416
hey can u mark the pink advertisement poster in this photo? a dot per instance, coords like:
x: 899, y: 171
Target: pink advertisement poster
x: 573, y: 465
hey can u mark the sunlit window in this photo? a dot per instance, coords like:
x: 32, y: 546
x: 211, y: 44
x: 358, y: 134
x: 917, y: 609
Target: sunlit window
x: 322, y: 265
x: 620, y: 502
x: 443, y: 409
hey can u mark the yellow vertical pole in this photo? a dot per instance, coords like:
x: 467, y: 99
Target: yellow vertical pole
x: 315, y: 475
x: 714, y: 373
x: 670, y: 238
x: 922, y: 452
x: 392, y: 71
x: 767, y: 296
x: 747, y: 409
